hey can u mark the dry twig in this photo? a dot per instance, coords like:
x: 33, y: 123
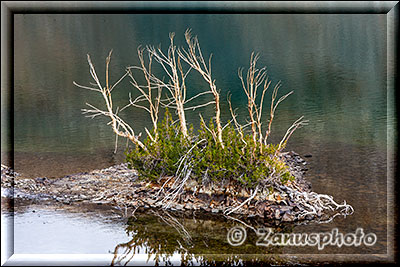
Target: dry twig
x: 194, y: 57
x: 116, y: 121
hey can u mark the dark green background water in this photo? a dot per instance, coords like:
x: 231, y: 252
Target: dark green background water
x: 336, y: 65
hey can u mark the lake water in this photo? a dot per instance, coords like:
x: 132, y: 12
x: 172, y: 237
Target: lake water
x: 79, y: 234
x: 335, y: 63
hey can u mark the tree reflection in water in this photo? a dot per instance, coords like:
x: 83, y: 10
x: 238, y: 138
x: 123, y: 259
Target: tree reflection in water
x: 198, y: 240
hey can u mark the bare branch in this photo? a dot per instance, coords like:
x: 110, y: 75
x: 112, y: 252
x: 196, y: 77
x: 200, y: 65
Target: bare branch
x: 200, y: 106
x: 194, y: 58
x: 115, y: 84
x: 177, y: 88
x: 214, y: 136
x: 274, y: 107
x: 116, y: 121
x: 147, y: 91
x: 244, y: 202
x: 238, y: 126
x: 86, y: 87
x: 297, y: 124
x: 254, y: 78
x: 196, y: 96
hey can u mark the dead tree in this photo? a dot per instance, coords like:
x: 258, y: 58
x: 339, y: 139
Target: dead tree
x: 116, y: 122
x: 194, y: 57
x: 254, y: 78
x: 176, y: 86
x: 146, y: 92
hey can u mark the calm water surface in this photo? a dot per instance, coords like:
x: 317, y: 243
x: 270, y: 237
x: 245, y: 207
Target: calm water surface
x: 336, y: 65
x: 158, y: 236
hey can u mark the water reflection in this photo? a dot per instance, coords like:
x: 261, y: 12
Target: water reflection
x: 166, y: 237
x: 204, y: 240
x: 162, y: 235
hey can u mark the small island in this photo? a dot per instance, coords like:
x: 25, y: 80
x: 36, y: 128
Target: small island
x: 227, y: 168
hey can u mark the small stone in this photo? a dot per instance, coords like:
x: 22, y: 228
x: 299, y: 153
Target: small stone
x: 288, y: 217
x: 284, y: 209
x: 244, y: 193
x: 151, y: 201
x: 203, y: 208
x: 189, y: 206
x: 143, y: 190
x: 309, y: 217
x: 192, y: 184
x: 277, y: 214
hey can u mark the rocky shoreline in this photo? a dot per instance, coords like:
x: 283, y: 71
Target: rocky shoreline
x: 120, y: 187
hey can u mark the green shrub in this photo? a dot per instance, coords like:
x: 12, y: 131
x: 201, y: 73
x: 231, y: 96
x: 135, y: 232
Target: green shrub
x: 239, y: 160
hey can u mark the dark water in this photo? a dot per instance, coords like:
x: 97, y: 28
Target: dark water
x: 336, y: 65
